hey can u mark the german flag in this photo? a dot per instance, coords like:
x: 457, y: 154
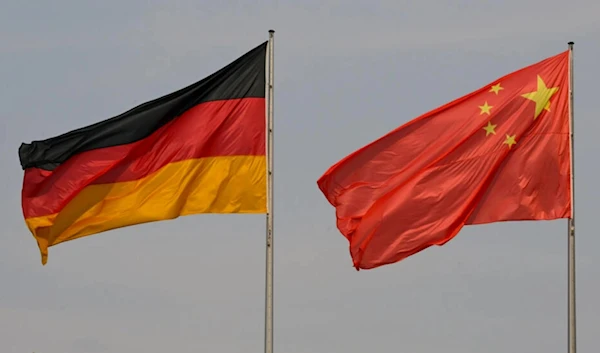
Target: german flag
x: 198, y: 150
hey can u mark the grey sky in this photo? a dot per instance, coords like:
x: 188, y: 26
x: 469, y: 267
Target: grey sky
x: 346, y: 73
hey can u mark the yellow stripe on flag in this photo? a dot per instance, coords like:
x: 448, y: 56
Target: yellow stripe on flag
x: 231, y: 184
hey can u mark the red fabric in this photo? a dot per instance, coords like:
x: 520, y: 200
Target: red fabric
x: 420, y: 184
x: 217, y: 128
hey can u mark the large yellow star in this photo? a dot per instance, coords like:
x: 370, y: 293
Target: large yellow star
x: 485, y: 108
x: 541, y: 97
x: 490, y: 128
x: 496, y: 88
x: 510, y: 140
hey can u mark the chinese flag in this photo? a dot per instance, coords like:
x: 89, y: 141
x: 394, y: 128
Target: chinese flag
x: 501, y: 153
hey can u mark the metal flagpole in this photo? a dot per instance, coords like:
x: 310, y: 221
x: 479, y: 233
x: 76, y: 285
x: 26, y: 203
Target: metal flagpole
x: 269, y: 256
x: 571, y: 229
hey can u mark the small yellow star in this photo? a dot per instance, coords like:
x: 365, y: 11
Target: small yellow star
x: 490, y: 128
x: 541, y: 97
x: 510, y: 140
x: 496, y: 88
x: 485, y: 108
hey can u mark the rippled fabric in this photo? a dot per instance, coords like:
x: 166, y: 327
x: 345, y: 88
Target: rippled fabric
x: 500, y: 153
x: 201, y: 149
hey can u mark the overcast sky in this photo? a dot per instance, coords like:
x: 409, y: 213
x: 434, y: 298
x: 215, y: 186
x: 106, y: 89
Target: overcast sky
x: 347, y: 72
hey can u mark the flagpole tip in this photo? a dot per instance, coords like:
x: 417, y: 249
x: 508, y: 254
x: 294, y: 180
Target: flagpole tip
x: 571, y: 43
x: 271, y: 31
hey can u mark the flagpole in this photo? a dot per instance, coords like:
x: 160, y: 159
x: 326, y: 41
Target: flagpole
x: 269, y: 243
x: 571, y: 229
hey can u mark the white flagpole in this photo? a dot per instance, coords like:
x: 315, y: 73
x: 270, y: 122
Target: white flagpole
x: 269, y: 255
x: 571, y: 230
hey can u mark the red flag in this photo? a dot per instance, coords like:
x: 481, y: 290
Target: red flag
x: 500, y: 153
